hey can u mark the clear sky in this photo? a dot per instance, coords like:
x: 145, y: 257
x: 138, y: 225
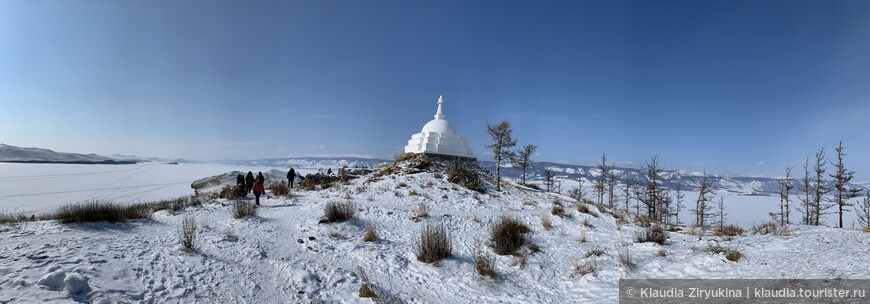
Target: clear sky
x: 736, y: 87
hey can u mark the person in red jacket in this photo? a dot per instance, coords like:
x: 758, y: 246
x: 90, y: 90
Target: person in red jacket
x: 258, y: 190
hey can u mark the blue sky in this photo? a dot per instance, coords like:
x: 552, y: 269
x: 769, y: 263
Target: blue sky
x: 736, y: 87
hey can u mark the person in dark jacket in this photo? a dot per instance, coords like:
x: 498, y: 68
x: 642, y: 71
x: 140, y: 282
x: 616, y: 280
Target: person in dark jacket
x: 290, y: 177
x: 258, y: 190
x: 249, y: 182
x: 261, y: 178
x: 240, y: 185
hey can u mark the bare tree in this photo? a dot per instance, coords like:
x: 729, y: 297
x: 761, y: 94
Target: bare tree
x: 502, y: 141
x: 785, y: 186
x: 721, y: 212
x: 807, y: 200
x: 705, y: 195
x: 628, y: 190
x: 601, y: 181
x: 652, y: 193
x: 820, y: 187
x: 578, y: 192
x: 611, y: 185
x: 678, y: 204
x: 523, y: 159
x: 841, y: 178
x: 863, y: 211
x: 549, y: 178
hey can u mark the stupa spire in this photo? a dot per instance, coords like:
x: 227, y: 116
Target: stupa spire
x: 440, y: 113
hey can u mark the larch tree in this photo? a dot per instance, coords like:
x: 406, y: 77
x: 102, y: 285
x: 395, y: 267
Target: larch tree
x: 502, y: 141
x: 842, y: 177
x: 721, y: 212
x: 807, y: 199
x: 820, y: 187
x: 549, y: 178
x: 652, y: 192
x: 705, y: 195
x: 523, y: 159
x: 601, y: 181
x: 786, y: 184
x: 863, y: 212
x: 611, y: 185
x: 678, y: 204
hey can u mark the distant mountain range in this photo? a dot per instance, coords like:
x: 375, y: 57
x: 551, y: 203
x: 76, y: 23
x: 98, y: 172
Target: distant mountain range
x: 566, y: 174
x: 13, y: 154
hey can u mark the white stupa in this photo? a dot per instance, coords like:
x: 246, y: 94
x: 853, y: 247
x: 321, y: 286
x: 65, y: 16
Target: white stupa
x: 439, y: 137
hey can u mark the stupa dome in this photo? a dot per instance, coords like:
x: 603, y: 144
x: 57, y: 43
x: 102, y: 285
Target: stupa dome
x: 439, y: 137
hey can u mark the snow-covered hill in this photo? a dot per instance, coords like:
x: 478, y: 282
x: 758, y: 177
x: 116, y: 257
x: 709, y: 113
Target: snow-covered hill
x: 284, y: 255
x: 37, y: 155
x: 308, y: 162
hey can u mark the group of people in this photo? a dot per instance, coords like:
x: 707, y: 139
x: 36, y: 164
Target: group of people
x: 248, y: 183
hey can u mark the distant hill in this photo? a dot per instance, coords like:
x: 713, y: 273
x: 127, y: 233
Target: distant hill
x: 13, y: 154
x: 308, y: 162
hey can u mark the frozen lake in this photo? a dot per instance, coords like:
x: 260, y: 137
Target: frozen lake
x: 44, y: 187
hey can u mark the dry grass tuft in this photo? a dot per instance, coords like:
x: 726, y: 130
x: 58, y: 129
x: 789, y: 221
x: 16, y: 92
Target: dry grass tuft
x: 339, y: 211
x: 643, y: 220
x: 484, y: 263
x: 242, y: 209
x: 546, y: 222
x: 560, y: 212
x: 280, y: 189
x: 508, y: 235
x: 594, y: 252
x: 662, y: 253
x: 371, y: 235
x: 101, y: 211
x: 626, y: 258
x: 587, y: 223
x: 434, y: 243
x: 733, y: 255
x: 655, y: 234
x: 584, y: 268
x: 728, y: 231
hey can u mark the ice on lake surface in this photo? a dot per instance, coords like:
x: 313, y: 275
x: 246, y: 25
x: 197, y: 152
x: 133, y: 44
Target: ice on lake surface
x: 44, y: 187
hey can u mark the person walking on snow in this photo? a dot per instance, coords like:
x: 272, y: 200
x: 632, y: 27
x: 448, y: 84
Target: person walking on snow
x: 260, y: 177
x: 290, y: 177
x: 249, y: 182
x: 258, y: 190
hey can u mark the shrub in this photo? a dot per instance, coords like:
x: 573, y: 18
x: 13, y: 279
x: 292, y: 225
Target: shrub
x: 733, y: 255
x: 484, y: 263
x: 765, y: 228
x: 584, y: 268
x: 546, y: 222
x: 434, y: 243
x: 311, y: 181
x: 458, y: 173
x: 339, y: 211
x: 560, y: 212
x: 402, y: 185
x: 187, y: 233
x: 626, y: 258
x: 594, y: 252
x: 662, y: 253
x: 229, y: 192
x: 508, y: 235
x: 242, y: 209
x: 729, y: 231
x: 584, y: 208
x: 643, y: 220
x: 557, y: 201
x: 280, y: 189
x: 422, y: 210
x: 587, y: 223
x: 101, y: 211
x: 371, y: 235
x: 655, y: 234
x: 413, y: 193
x: 405, y: 157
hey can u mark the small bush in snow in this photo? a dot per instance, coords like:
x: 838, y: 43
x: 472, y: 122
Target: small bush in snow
x: 584, y: 208
x: 626, y: 258
x: 279, y: 188
x: 229, y: 192
x: 655, y: 234
x: 242, y: 209
x: 728, y: 231
x: 587, y: 223
x: 546, y: 222
x: 339, y: 211
x: 101, y: 211
x: 484, y: 263
x: 458, y: 173
x: 434, y: 243
x: 733, y: 255
x: 508, y: 235
x: 584, y: 268
x: 560, y: 212
x: 187, y: 233
x: 594, y: 252
x: 662, y: 253
x: 765, y: 228
x: 371, y: 235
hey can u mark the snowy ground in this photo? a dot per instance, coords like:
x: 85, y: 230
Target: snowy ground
x: 284, y: 255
